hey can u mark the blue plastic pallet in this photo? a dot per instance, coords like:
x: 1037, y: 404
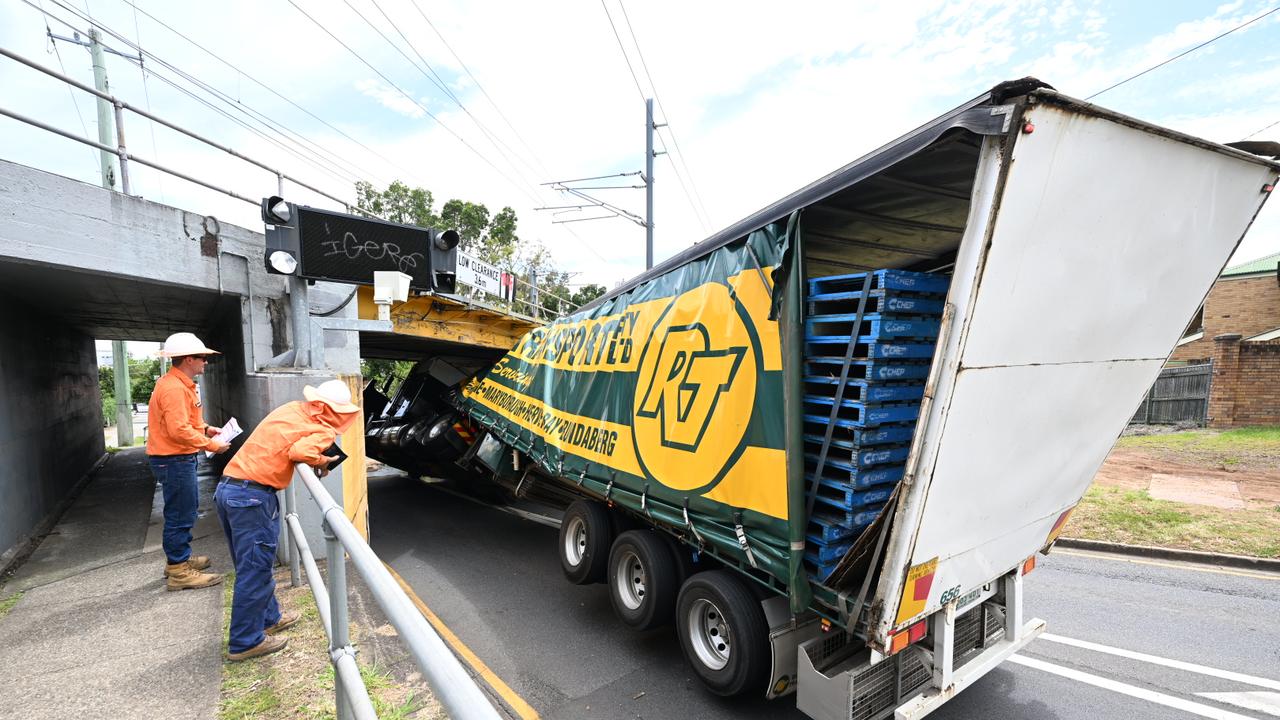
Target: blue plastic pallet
x: 856, y: 457
x: 848, y: 499
x: 887, y: 279
x: 855, y: 438
x: 833, y: 346
x: 822, y: 553
x: 864, y: 369
x: 838, y: 473
x: 829, y: 526
x: 868, y: 391
x: 857, y: 415
x: 873, y: 325
x: 877, y: 302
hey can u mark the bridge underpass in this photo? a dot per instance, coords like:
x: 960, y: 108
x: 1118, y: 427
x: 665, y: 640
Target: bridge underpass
x: 79, y: 263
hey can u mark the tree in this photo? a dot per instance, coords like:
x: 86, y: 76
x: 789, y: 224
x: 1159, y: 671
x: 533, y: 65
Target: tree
x: 586, y: 294
x: 379, y: 371
x: 398, y: 203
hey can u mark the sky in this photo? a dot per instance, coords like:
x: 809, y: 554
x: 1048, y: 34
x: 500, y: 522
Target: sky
x: 489, y: 101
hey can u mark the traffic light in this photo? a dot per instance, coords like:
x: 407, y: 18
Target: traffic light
x: 340, y: 247
x: 284, y: 249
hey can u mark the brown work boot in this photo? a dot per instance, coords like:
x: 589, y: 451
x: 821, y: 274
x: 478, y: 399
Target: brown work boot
x: 269, y: 644
x: 183, y: 577
x: 286, y: 619
x: 197, y: 562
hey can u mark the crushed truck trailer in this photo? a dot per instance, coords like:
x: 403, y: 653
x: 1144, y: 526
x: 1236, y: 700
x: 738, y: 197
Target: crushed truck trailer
x: 829, y: 441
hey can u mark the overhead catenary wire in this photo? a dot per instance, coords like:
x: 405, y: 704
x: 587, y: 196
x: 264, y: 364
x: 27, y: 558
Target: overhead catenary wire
x: 54, y: 45
x: 268, y: 88
x: 220, y: 95
x: 701, y: 209
x: 480, y: 86
x: 146, y: 94
x: 1184, y: 53
x: 1262, y: 130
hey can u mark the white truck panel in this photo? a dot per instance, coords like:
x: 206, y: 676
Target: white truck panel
x: 1106, y: 235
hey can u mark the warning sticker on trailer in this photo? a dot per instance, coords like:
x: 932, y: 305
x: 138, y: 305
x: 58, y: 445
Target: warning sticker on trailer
x: 915, y: 592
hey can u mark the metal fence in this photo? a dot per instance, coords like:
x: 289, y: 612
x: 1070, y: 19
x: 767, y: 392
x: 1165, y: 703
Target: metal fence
x: 1180, y: 394
x: 453, y: 686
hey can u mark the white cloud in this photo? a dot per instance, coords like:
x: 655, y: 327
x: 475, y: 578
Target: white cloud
x: 391, y: 98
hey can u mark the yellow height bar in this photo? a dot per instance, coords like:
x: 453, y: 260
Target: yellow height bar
x: 438, y: 318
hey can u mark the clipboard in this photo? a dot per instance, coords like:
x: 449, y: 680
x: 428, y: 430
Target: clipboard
x: 334, y: 451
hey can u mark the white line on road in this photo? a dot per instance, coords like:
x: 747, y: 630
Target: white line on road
x: 1130, y: 690
x: 1264, y: 702
x: 1157, y: 660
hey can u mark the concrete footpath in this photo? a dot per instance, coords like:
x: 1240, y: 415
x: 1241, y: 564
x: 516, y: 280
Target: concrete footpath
x: 95, y: 633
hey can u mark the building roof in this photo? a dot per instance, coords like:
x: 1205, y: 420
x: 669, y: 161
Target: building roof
x: 1261, y: 265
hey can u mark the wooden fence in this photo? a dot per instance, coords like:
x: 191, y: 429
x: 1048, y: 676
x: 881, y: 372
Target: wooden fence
x: 1180, y: 394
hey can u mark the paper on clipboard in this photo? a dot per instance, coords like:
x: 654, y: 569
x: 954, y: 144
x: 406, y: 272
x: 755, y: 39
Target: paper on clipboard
x: 226, y: 434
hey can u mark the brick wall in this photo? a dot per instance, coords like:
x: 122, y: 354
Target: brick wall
x: 1248, y: 306
x: 1246, y: 383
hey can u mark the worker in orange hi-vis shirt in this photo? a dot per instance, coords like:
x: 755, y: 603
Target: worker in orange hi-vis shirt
x: 297, y: 432
x: 176, y: 432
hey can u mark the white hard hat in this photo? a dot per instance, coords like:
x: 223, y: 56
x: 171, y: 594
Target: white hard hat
x: 180, y: 344
x: 334, y: 393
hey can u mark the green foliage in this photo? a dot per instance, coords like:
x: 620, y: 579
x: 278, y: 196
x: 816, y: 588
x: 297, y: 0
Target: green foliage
x: 379, y: 371
x: 586, y: 294
x: 7, y: 604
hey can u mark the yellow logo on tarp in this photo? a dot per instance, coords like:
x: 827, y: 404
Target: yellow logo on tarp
x: 696, y: 389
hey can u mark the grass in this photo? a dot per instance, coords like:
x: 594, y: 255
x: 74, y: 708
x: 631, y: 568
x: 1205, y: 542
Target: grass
x: 1239, y: 448
x: 7, y: 604
x: 297, y: 683
x: 1134, y: 517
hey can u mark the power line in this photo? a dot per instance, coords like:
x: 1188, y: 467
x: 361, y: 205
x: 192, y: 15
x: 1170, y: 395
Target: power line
x: 219, y: 94
x: 49, y: 33
x: 1185, y: 52
x: 410, y: 98
x: 435, y: 78
x: 701, y: 208
x: 625, y: 57
x: 268, y: 88
x: 1262, y: 130
x: 248, y: 111
x: 146, y: 94
x: 479, y: 86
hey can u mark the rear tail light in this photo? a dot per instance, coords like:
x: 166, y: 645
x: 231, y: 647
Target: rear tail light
x: 901, y: 639
x: 1029, y: 564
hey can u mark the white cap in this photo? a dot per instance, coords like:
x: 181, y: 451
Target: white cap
x: 180, y: 344
x: 334, y: 393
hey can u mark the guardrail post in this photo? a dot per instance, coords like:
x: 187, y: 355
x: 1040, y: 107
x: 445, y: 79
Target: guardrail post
x: 339, y: 638
x: 291, y: 549
x: 123, y: 154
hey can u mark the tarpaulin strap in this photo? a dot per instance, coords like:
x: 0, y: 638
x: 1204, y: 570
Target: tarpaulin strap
x: 582, y: 476
x: 835, y: 405
x: 799, y: 546
x: 608, y: 490
x: 644, y: 500
x: 689, y: 523
x: 742, y: 539
x: 560, y: 466
x: 523, y: 477
x: 760, y: 270
x: 842, y: 599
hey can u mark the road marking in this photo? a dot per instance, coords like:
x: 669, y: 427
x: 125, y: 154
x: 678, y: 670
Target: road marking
x: 1167, y: 662
x: 1175, y: 566
x: 517, y: 703
x: 1264, y: 702
x: 1131, y: 690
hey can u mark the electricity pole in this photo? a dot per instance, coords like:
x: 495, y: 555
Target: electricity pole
x: 649, y: 155
x: 106, y: 136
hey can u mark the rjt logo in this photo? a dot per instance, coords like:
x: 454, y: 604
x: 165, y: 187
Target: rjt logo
x: 687, y: 382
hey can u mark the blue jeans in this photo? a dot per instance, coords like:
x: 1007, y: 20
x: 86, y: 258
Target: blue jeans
x: 251, y: 521
x: 177, y: 476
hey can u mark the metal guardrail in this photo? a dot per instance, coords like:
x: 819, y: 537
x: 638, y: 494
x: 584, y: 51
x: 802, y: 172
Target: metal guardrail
x: 461, y: 697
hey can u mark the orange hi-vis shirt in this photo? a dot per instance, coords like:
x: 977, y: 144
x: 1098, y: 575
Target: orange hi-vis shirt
x: 296, y: 432
x: 174, y: 423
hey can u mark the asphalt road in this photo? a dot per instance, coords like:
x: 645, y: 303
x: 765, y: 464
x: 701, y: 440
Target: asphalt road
x: 495, y: 580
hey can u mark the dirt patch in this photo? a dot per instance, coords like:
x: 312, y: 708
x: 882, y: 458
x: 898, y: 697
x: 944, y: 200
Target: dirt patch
x: 1133, y: 469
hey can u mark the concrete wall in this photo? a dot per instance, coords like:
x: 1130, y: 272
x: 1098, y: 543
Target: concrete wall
x: 1247, y: 306
x: 50, y: 418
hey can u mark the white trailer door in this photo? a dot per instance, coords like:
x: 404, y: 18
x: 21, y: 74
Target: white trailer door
x: 1107, y: 235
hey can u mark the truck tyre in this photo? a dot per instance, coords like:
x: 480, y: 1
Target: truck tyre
x: 586, y: 532
x: 683, y: 554
x: 723, y: 633
x: 643, y: 580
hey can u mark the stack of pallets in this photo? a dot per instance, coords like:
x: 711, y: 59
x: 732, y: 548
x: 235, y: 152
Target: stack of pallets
x: 895, y: 322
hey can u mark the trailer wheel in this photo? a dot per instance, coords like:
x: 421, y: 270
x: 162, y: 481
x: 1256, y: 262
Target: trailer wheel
x: 723, y: 632
x: 683, y: 554
x: 643, y: 580
x: 586, y: 532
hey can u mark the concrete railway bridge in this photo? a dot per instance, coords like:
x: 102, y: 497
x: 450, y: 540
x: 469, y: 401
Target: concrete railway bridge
x: 80, y: 263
